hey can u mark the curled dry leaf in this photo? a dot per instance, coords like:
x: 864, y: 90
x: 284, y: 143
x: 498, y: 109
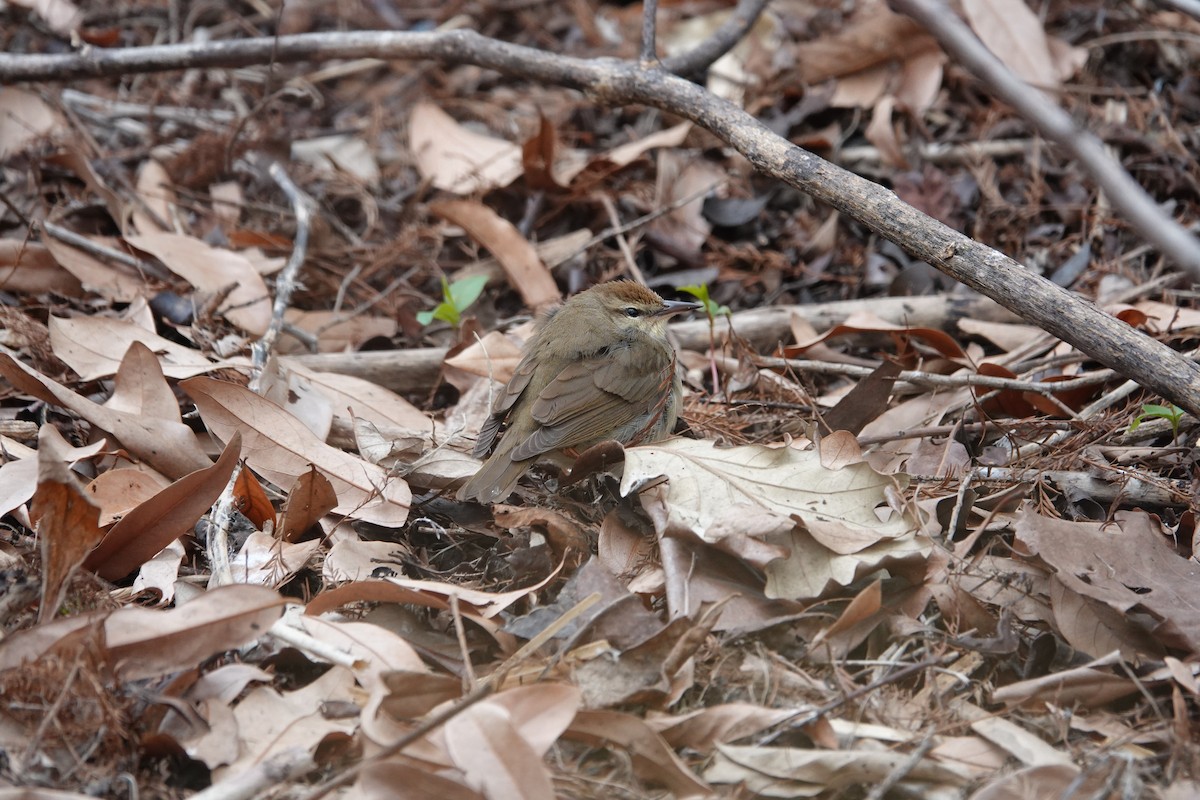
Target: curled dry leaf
x: 651, y: 757
x: 281, y: 448
x: 163, y: 518
x: 169, y: 447
x: 67, y: 519
x: 487, y: 747
x: 144, y: 643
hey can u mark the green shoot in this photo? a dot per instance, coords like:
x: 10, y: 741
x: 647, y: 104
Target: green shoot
x: 1171, y: 413
x: 700, y: 292
x: 457, y: 297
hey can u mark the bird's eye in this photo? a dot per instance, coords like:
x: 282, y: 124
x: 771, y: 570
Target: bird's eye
x: 632, y: 312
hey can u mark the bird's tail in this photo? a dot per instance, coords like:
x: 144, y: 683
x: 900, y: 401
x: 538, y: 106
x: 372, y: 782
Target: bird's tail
x: 495, y: 480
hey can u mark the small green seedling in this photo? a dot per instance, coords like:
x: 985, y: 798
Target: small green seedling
x: 1171, y: 413
x: 457, y: 297
x: 700, y: 292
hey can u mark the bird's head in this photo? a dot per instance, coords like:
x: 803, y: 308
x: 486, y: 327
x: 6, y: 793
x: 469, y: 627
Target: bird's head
x: 632, y: 307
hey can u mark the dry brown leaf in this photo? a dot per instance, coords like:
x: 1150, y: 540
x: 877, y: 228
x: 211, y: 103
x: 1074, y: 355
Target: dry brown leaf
x: 681, y: 177
x: 310, y: 498
x: 139, y: 386
x: 163, y: 518
x: 702, y: 730
x: 1130, y: 564
x: 169, y: 447
x: 395, y: 780
x: 213, y: 269
x: 1026, y: 747
x: 66, y: 518
x: 526, y: 272
x: 94, y: 275
x: 28, y: 267
x: 794, y: 772
x: 1051, y: 780
x: 485, y: 745
x: 144, y: 643
x: 457, y: 160
x: 267, y: 721
x: 652, y: 758
x: 281, y: 448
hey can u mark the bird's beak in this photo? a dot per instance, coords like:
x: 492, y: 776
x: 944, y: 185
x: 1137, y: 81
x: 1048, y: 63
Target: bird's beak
x: 672, y: 307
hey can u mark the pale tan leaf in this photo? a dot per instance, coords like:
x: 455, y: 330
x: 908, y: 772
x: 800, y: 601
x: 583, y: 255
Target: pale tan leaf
x: 24, y: 117
x: 96, y: 276
x: 494, y: 356
x: 361, y: 399
x: 484, y: 744
x: 281, y: 448
x: 213, y: 269
x: 339, y: 153
x: 117, y: 491
x: 169, y: 447
x: 706, y: 480
x: 269, y: 722
x: 154, y: 190
x: 1013, y: 33
x: 335, y: 333
x: 457, y: 160
x: 626, y: 154
x: 95, y: 346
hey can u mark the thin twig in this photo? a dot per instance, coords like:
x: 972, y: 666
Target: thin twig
x: 649, y: 54
x: 723, y: 40
x: 917, y: 378
x: 287, y: 282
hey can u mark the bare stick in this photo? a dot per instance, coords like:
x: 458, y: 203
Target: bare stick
x: 649, y: 58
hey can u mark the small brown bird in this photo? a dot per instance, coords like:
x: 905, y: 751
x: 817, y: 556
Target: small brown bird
x: 599, y: 367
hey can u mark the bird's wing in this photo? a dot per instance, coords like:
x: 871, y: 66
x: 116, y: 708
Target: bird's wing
x: 504, y: 402
x: 571, y: 412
